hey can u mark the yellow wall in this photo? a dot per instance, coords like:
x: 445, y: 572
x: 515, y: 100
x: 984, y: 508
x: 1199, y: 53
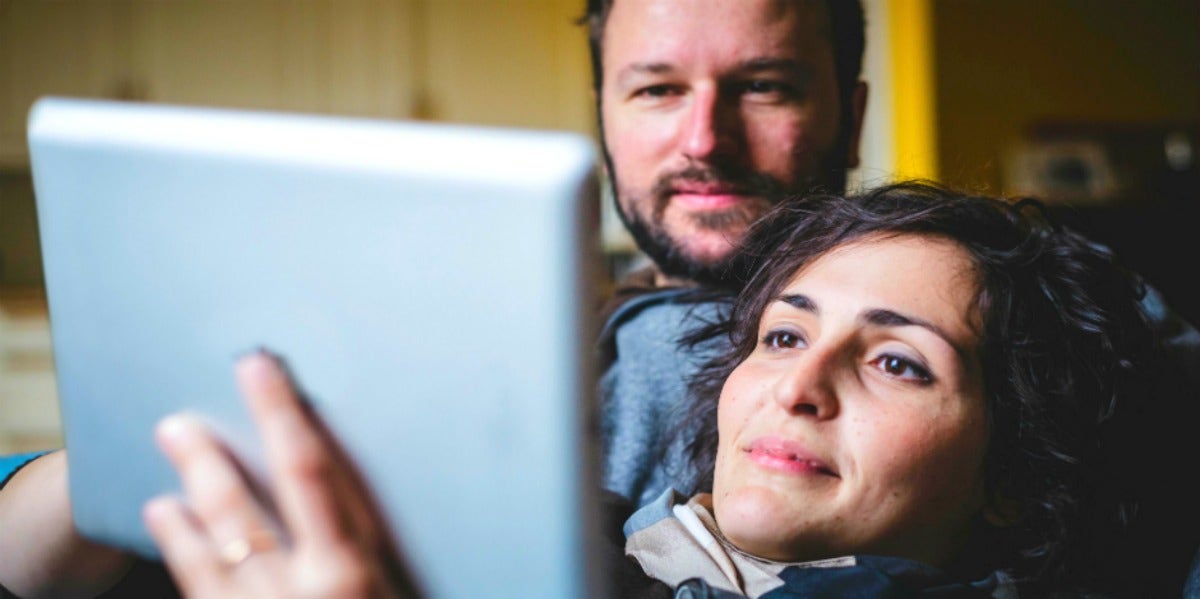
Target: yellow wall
x: 1002, y: 65
x: 913, y: 89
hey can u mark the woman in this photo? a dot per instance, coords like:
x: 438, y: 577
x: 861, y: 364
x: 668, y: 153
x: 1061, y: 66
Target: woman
x: 920, y: 375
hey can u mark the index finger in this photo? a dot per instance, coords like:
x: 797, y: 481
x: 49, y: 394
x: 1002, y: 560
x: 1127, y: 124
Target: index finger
x: 310, y: 488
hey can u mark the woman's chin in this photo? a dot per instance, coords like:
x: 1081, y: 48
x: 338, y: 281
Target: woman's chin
x: 762, y: 523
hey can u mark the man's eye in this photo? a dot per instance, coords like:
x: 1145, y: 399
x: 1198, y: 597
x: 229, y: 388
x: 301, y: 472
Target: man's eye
x: 782, y: 340
x: 761, y: 86
x: 768, y: 87
x: 656, y: 91
x: 903, y: 368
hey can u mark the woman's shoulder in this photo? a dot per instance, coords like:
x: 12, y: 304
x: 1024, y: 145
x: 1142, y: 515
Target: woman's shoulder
x: 675, y: 539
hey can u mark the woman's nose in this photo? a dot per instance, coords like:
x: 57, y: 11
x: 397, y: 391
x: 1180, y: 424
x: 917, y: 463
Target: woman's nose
x: 807, y: 387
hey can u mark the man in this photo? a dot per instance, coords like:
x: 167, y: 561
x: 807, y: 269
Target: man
x: 710, y: 113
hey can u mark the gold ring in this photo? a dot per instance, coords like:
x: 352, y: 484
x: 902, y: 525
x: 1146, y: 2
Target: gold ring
x: 237, y: 551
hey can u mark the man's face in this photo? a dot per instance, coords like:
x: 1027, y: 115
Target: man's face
x: 712, y: 111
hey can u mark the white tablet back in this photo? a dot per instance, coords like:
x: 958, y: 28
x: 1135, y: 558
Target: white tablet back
x: 427, y: 284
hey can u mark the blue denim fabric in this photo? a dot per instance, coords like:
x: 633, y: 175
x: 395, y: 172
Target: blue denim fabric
x: 9, y: 464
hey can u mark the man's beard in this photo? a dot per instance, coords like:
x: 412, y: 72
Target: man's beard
x: 759, y: 190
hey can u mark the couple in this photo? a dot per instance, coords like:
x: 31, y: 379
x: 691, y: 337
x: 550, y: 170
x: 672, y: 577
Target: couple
x: 708, y: 108
x: 922, y: 392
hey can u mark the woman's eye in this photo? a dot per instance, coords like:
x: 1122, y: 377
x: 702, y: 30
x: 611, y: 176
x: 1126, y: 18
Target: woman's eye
x: 783, y: 340
x: 903, y: 368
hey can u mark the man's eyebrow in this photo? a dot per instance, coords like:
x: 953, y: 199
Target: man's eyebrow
x: 888, y: 318
x: 767, y: 63
x: 753, y: 65
x: 800, y: 302
x: 642, y: 68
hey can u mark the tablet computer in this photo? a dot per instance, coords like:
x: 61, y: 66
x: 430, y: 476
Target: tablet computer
x: 428, y: 284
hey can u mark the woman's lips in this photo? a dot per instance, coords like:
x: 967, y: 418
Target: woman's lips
x: 776, y: 453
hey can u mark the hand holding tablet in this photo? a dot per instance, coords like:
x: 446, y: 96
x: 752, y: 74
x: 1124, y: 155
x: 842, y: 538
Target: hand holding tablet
x: 221, y: 541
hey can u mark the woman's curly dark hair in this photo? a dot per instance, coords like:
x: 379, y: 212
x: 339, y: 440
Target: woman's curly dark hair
x: 1065, y: 351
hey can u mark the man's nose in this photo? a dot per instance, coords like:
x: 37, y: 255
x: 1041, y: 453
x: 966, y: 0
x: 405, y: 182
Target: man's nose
x: 710, y: 126
x: 808, y: 387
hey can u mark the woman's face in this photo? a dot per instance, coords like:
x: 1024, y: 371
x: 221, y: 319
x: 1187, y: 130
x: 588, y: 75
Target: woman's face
x: 858, y: 424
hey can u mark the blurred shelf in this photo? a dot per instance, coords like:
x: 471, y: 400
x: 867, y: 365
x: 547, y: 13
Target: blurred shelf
x: 29, y: 416
x: 14, y: 157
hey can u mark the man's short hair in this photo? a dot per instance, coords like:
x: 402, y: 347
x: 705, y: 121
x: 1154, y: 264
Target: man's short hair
x: 847, y: 35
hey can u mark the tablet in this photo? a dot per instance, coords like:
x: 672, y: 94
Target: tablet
x: 428, y: 284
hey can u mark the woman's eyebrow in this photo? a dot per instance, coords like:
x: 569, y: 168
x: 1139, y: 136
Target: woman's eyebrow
x: 889, y: 318
x: 878, y: 317
x: 800, y: 302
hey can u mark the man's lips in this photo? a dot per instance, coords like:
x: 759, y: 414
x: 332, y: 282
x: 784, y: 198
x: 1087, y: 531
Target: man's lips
x: 707, y: 202
x: 707, y: 196
x: 776, y: 453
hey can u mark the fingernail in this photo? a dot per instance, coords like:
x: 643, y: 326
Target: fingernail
x: 176, y: 430
x: 257, y: 364
x: 156, y: 509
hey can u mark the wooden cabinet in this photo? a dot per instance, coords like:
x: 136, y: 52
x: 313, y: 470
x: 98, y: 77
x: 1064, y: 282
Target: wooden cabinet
x: 51, y: 48
x: 513, y: 63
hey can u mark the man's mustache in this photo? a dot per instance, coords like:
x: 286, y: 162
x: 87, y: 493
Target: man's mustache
x: 738, y: 181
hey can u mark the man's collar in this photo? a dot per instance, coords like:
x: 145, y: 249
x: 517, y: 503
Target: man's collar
x: 640, y: 282
x: 650, y: 278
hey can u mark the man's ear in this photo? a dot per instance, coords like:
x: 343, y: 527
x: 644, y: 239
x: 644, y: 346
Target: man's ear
x: 858, y: 107
x: 1001, y: 512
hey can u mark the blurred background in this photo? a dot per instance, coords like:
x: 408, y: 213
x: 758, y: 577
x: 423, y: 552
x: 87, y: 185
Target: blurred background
x: 1092, y: 105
